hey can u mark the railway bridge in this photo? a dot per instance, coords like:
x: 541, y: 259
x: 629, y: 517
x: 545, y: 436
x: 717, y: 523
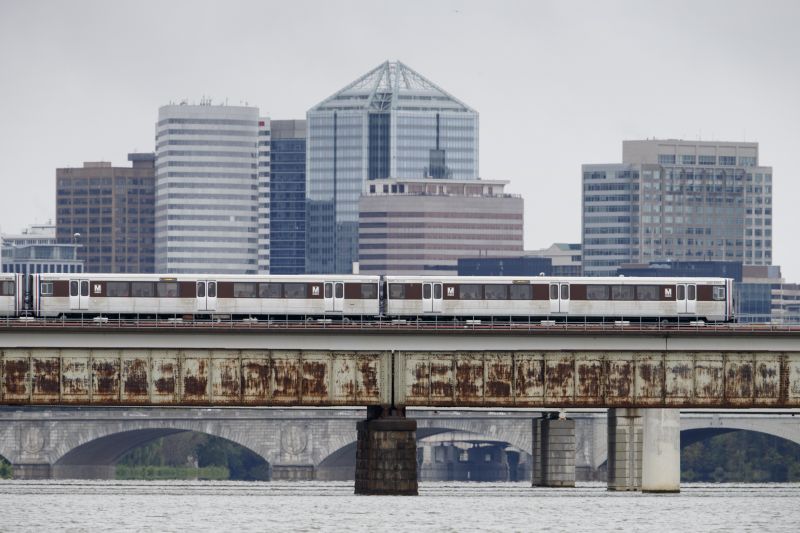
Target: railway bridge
x: 644, y: 374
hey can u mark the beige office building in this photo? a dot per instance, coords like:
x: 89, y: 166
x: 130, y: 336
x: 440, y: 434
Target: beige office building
x: 423, y: 226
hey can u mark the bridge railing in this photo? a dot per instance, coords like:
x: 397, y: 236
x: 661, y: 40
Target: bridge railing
x: 429, y: 323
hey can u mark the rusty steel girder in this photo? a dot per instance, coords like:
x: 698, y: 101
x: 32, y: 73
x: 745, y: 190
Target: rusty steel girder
x: 534, y: 379
x: 194, y: 377
x: 598, y: 379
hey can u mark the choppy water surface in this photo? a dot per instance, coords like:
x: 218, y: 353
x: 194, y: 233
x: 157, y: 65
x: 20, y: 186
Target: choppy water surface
x: 317, y: 506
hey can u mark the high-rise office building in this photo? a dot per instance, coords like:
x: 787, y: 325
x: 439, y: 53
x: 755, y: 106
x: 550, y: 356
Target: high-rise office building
x: 423, y: 226
x: 109, y: 211
x: 677, y: 200
x: 264, y: 183
x: 287, y: 221
x: 390, y: 123
x: 207, y: 189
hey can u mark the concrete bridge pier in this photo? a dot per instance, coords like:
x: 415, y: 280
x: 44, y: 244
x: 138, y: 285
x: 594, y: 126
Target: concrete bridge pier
x: 624, y: 449
x: 386, y: 453
x: 661, y: 450
x: 553, y: 452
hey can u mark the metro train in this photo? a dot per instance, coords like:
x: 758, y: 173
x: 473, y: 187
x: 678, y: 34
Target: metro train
x: 367, y: 297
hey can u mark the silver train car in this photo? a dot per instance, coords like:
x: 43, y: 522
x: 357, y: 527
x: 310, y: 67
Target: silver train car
x: 558, y: 298
x: 392, y: 297
x: 204, y: 295
x: 12, y: 295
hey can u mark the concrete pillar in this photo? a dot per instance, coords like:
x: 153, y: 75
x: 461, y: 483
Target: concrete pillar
x: 558, y: 452
x: 661, y: 450
x: 292, y: 473
x: 386, y: 456
x: 536, y: 456
x: 32, y: 471
x: 624, y: 449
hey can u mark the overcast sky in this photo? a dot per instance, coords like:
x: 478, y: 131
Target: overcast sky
x: 557, y: 84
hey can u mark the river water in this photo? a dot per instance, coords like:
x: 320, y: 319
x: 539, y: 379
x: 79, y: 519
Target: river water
x: 443, y: 506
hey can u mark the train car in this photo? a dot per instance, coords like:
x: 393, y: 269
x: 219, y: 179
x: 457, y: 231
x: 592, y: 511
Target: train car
x: 204, y: 295
x: 12, y: 295
x: 560, y: 298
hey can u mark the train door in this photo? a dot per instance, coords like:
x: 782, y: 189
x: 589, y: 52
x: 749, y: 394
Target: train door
x: 79, y: 294
x: 334, y: 296
x: 559, y: 297
x: 206, y: 295
x: 431, y: 297
x: 687, y: 298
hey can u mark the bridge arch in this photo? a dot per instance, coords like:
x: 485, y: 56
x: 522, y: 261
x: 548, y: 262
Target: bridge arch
x: 95, y: 452
x: 697, y: 429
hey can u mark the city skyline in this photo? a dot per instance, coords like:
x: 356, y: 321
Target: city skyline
x: 556, y: 85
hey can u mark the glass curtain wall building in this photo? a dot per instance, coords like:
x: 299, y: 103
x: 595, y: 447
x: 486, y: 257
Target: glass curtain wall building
x: 677, y: 201
x: 390, y: 123
x: 287, y: 223
x: 207, y: 189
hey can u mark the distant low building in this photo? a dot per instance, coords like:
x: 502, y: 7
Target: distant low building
x: 424, y: 226
x: 35, y: 251
x: 565, y: 257
x: 505, y: 266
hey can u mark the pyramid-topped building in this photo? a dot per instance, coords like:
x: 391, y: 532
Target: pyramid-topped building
x: 393, y: 86
x: 392, y: 122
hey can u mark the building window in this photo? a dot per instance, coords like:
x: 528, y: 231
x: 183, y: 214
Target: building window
x: 666, y: 159
x: 727, y: 160
x: 708, y: 160
x: 688, y: 160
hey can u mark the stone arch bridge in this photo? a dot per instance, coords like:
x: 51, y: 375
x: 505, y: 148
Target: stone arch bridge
x: 45, y: 442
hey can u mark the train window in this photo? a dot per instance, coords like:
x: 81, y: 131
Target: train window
x: 85, y: 288
x: 73, y: 288
x: 244, y: 290
x: 329, y: 290
x: 46, y: 288
x: 496, y: 292
x: 397, y: 291
x: 647, y: 292
x: 8, y: 288
x: 212, y: 289
x: 118, y: 289
x: 691, y: 293
x: 167, y: 289
x: 622, y: 292
x: 597, y: 292
x: 294, y: 290
x: 565, y: 291
x: 554, y: 292
x: 338, y: 290
x: 143, y: 289
x: 201, y: 289
x: 426, y: 291
x: 719, y: 292
x: 369, y: 291
x: 520, y: 292
x: 269, y: 290
x: 437, y: 289
x: 470, y: 292
x: 681, y: 292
